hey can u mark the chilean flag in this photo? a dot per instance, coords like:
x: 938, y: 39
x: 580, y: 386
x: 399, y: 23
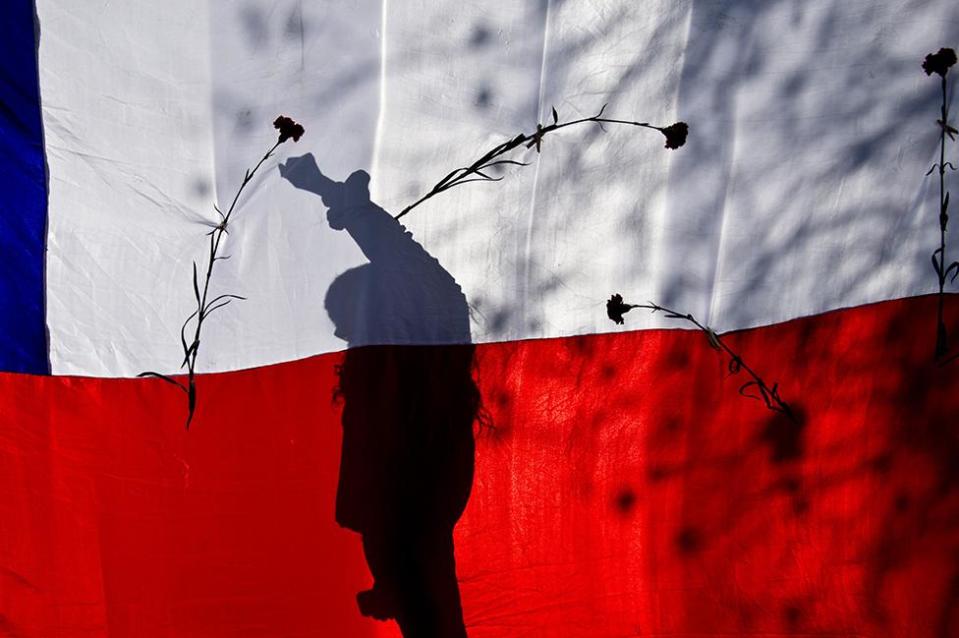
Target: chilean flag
x: 431, y: 426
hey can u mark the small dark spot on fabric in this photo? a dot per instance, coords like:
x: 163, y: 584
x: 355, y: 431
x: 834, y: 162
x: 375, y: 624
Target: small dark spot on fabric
x: 484, y: 97
x: 689, y: 540
x: 902, y: 502
x: 480, y: 36
x: 581, y: 344
x: 672, y: 424
x: 625, y: 500
x: 677, y: 360
x: 882, y: 464
x: 499, y: 320
x: 200, y: 187
x: 791, y: 484
x: 294, y: 24
x: 657, y: 473
x: 243, y: 120
x: 792, y: 614
x: 254, y: 24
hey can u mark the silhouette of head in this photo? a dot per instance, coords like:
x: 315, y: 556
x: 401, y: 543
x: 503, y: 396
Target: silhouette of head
x: 345, y: 300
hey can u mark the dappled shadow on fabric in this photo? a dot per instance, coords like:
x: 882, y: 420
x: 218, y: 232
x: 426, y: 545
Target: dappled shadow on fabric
x: 625, y: 488
x: 772, y: 166
x: 409, y: 406
x: 665, y: 484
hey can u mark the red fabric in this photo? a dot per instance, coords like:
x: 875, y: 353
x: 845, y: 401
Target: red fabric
x: 624, y: 489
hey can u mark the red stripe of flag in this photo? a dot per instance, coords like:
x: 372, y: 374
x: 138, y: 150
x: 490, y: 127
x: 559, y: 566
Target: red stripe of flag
x: 624, y: 488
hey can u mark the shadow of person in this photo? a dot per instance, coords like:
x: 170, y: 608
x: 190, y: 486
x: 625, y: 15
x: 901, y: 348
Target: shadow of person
x: 406, y: 467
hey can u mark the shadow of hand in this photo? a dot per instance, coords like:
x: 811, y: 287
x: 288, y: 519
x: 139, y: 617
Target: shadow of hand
x: 303, y: 173
x: 345, y: 201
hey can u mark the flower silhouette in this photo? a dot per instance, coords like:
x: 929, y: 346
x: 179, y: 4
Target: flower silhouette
x: 288, y: 129
x: 676, y: 134
x: 615, y: 308
x: 939, y: 62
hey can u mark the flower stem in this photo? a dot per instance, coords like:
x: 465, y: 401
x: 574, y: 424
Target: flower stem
x: 942, y: 340
x: 475, y: 171
x: 768, y: 395
x: 205, y: 306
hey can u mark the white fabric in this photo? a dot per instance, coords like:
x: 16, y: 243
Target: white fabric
x: 801, y: 188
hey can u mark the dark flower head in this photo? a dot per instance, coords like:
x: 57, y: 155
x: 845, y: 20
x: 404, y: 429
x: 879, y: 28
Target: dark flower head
x: 676, y: 134
x: 288, y: 129
x: 615, y: 308
x: 939, y: 62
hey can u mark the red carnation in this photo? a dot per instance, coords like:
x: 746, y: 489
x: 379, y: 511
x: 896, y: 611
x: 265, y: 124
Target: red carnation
x: 288, y: 129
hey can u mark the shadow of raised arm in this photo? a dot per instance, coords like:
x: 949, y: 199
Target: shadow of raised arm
x: 403, y: 295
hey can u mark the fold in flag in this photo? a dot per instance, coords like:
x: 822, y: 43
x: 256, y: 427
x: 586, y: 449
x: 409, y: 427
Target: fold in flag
x: 394, y: 380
